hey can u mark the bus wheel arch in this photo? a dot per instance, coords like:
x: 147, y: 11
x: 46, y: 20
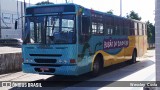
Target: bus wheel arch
x: 135, y: 50
x: 98, y: 64
x: 133, y: 59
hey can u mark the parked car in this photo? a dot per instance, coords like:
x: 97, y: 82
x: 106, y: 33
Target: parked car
x: 11, y: 42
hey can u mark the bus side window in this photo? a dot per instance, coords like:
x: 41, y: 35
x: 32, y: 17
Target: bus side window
x: 121, y: 26
x: 116, y: 32
x: 140, y: 29
x: 100, y: 28
x: 125, y: 27
x: 136, y: 28
x: 94, y: 28
x: 109, y: 25
x: 132, y: 32
x: 144, y: 29
x: 128, y: 27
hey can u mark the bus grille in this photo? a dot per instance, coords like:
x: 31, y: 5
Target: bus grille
x: 45, y: 60
x: 46, y: 55
x: 47, y: 65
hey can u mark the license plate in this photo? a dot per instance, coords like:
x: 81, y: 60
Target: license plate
x: 44, y: 69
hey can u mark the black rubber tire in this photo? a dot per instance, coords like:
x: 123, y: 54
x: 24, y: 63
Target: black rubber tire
x: 97, y: 67
x: 134, y: 57
x: 133, y: 60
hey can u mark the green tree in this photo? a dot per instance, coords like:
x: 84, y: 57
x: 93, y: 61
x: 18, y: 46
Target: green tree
x: 134, y: 15
x: 110, y: 12
x: 44, y: 3
x: 150, y: 32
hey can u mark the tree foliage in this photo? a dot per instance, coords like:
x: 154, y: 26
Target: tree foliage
x: 150, y: 32
x: 110, y: 12
x: 44, y: 3
x: 134, y: 15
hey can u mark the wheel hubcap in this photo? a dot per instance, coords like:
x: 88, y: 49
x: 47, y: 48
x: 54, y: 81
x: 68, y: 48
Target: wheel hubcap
x: 96, y: 67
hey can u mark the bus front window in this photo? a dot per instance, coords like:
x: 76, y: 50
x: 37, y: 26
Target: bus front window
x: 50, y: 29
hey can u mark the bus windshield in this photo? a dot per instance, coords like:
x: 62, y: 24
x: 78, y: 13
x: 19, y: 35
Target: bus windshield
x: 58, y: 29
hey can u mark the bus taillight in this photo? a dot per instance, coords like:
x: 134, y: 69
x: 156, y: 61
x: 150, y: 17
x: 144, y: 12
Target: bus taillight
x: 72, y: 61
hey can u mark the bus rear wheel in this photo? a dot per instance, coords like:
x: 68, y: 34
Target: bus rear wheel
x: 133, y: 60
x: 97, y: 67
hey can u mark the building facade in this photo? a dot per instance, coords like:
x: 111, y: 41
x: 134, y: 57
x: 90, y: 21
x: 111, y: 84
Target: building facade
x: 11, y: 10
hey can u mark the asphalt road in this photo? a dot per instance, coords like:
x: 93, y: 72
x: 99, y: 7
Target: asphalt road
x: 142, y: 70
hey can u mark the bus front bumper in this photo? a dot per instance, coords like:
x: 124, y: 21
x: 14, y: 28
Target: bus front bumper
x: 51, y: 70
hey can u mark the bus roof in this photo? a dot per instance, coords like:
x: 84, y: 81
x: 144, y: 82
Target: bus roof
x: 73, y: 4
x: 47, y: 5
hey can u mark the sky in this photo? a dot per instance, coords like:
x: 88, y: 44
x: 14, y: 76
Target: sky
x: 144, y: 8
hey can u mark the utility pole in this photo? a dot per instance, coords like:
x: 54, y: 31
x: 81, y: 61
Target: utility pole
x: 29, y: 2
x: 66, y: 1
x: 121, y: 8
x: 17, y: 12
x: 24, y: 6
x: 23, y: 11
x: 0, y: 19
x: 48, y: 1
x: 157, y: 28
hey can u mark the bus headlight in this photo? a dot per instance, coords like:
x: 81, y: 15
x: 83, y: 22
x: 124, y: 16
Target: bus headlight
x: 60, y: 61
x: 27, y: 60
x: 31, y: 60
x: 65, y: 61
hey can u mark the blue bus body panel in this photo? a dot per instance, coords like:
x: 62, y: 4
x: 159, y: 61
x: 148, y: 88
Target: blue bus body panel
x: 39, y: 58
x: 59, y: 53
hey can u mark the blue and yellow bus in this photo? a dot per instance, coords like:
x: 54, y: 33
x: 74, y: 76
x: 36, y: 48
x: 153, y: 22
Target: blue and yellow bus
x: 68, y: 39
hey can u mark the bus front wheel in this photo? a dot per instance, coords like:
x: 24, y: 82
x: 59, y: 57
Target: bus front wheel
x: 97, y: 67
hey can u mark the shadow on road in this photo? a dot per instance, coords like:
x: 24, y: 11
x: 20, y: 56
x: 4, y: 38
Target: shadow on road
x: 62, y: 82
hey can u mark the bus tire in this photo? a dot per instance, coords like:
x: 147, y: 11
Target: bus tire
x: 97, y: 67
x: 133, y: 60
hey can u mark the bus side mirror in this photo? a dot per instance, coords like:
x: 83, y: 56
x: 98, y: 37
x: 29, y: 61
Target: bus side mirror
x: 16, y: 25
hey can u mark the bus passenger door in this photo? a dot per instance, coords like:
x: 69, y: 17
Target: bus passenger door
x: 84, y: 57
x: 84, y: 26
x: 84, y: 33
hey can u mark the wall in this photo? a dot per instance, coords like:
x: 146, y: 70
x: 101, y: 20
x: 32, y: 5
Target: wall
x: 10, y: 62
x: 157, y: 27
x: 9, y: 13
x: 10, y: 10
